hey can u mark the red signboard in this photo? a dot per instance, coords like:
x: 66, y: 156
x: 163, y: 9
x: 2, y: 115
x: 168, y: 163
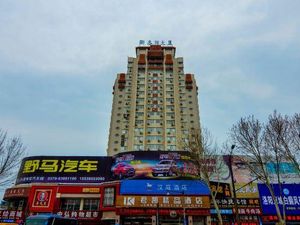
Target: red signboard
x: 16, y: 192
x: 42, y: 199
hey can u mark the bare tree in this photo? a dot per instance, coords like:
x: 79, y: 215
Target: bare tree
x: 204, y: 151
x: 266, y: 147
x: 11, y: 154
x: 292, y: 148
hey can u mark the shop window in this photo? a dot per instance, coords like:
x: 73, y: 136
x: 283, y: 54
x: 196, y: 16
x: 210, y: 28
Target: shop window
x: 109, y: 196
x: 70, y: 204
x: 90, y: 204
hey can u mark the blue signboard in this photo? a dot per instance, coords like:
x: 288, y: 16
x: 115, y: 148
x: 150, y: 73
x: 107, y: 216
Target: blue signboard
x: 164, y: 187
x: 222, y: 211
x: 289, y: 197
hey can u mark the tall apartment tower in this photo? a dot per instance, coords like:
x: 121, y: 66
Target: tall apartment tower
x: 155, y: 105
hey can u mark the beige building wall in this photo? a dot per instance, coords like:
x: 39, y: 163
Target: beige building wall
x: 155, y: 105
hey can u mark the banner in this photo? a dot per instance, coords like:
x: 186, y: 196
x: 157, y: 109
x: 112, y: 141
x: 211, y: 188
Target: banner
x: 64, y: 169
x: 164, y: 187
x: 288, y: 196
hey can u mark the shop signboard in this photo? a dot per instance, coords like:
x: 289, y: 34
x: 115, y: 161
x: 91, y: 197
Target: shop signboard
x: 241, y: 202
x: 79, y: 214
x: 11, y: 214
x: 42, y: 198
x: 16, y: 192
x: 288, y: 197
x: 64, y: 169
x: 244, y: 190
x: 164, y: 187
x: 222, y: 190
x: 163, y: 201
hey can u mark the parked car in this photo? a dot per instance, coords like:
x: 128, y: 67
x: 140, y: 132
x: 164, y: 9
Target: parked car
x: 165, y: 168
x: 122, y: 170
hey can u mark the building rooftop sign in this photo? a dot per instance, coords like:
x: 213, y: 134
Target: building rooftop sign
x: 155, y: 42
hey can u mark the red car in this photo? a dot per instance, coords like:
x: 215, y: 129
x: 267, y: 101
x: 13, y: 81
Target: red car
x: 123, y: 170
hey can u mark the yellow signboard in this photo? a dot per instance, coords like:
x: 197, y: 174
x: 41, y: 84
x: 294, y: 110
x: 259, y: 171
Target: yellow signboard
x: 244, y: 190
x: 164, y: 201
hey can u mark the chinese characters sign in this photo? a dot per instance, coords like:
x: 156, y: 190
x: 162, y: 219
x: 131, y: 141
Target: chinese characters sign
x: 161, y: 187
x: 289, y: 198
x: 221, y: 189
x: 79, y: 214
x: 42, y: 198
x: 246, y: 190
x: 155, y: 42
x: 64, y: 169
x: 163, y: 201
x: 16, y: 192
x: 11, y: 214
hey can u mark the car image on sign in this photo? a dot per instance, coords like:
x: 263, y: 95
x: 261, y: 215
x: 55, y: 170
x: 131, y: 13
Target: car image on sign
x: 165, y: 168
x: 123, y: 170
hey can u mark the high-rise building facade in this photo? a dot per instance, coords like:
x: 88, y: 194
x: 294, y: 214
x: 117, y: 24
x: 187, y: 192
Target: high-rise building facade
x: 155, y: 104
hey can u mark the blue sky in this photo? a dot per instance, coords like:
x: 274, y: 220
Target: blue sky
x: 59, y: 59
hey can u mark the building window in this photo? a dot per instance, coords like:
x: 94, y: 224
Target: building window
x: 70, y: 204
x: 109, y: 196
x: 90, y: 204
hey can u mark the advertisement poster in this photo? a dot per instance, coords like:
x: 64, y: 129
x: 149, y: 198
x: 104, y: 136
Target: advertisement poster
x: 64, y: 169
x: 288, y: 197
x: 154, y: 165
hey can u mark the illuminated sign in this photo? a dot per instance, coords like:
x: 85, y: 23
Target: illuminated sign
x: 164, y: 187
x: 64, y: 169
x: 163, y: 201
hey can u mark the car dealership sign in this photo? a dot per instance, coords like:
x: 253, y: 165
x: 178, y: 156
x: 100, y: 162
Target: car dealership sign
x: 64, y: 169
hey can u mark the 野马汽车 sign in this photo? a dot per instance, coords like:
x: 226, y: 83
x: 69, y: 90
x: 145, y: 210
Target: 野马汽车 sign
x: 64, y: 169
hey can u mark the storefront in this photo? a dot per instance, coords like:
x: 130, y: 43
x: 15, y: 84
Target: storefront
x: 15, y: 202
x: 80, y: 202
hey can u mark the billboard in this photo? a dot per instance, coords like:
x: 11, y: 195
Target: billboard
x: 164, y: 187
x: 64, y: 169
x: 154, y: 165
x: 288, y: 197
